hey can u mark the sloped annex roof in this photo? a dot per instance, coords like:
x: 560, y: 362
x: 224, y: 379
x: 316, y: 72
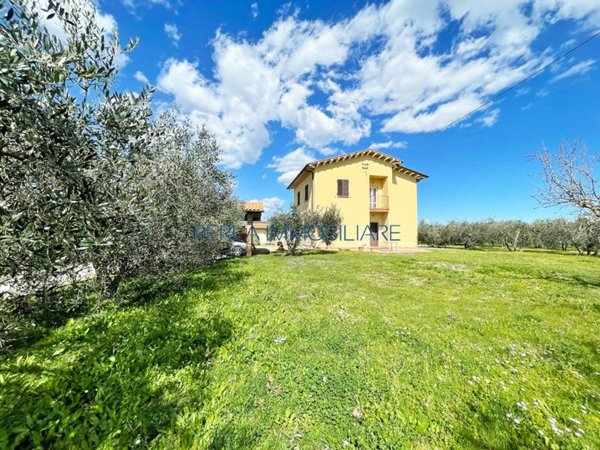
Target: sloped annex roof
x: 395, y: 162
x: 254, y: 206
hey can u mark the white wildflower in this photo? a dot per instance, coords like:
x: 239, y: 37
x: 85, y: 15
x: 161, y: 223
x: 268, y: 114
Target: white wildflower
x: 555, y: 429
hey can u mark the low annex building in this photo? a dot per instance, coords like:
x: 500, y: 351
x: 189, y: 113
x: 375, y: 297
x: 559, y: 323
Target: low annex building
x: 253, y: 211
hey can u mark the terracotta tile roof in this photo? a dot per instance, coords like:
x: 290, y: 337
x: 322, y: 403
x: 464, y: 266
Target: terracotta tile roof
x: 395, y: 162
x: 254, y: 207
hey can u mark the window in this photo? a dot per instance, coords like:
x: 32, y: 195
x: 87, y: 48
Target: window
x: 306, y: 193
x: 343, y: 188
x: 298, y: 198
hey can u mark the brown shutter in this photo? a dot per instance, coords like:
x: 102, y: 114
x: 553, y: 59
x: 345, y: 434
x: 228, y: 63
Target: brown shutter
x: 342, y: 188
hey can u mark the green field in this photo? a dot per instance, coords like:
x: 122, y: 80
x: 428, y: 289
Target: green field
x: 445, y: 349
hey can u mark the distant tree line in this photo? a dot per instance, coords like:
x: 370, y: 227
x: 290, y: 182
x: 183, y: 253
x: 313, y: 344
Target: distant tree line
x: 90, y: 181
x: 582, y: 234
x: 570, y: 178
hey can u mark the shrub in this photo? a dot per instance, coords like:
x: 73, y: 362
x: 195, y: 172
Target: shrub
x: 330, y: 221
x: 294, y: 226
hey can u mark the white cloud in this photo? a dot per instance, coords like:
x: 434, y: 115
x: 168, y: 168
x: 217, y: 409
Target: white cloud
x: 527, y: 106
x: 290, y: 164
x: 577, y: 69
x: 173, y: 33
x: 135, y: 4
x: 54, y: 25
x: 490, y: 118
x: 388, y: 144
x: 122, y: 59
x: 106, y: 22
x: 141, y: 77
x: 413, y: 120
x: 238, y: 121
x: 328, y: 151
x: 254, y: 9
x: 542, y: 93
x: 318, y: 80
x: 272, y: 204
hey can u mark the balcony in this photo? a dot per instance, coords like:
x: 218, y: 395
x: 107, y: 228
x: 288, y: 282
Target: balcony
x: 378, y: 203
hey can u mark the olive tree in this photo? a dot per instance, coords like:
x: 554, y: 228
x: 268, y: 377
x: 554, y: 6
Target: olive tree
x: 585, y: 235
x: 294, y: 226
x: 551, y: 234
x: 330, y: 221
x: 184, y: 189
x: 66, y: 140
x: 430, y: 234
x: 514, y: 234
x: 88, y: 179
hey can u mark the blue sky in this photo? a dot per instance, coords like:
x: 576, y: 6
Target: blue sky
x: 282, y: 83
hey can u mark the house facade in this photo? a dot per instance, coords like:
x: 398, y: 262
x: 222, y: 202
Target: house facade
x: 375, y: 193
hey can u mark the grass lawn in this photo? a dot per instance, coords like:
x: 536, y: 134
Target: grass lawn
x: 446, y: 349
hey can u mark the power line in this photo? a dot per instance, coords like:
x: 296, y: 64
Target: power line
x: 527, y: 78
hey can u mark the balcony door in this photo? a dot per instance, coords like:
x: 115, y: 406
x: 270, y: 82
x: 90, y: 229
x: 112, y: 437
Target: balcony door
x: 373, y: 197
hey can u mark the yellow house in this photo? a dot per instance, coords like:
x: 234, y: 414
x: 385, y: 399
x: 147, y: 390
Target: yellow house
x: 375, y: 193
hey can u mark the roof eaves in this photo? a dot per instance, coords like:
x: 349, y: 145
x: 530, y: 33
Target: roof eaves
x: 418, y: 175
x: 308, y: 168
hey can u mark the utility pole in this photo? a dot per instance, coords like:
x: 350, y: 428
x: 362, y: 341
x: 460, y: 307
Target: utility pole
x: 249, y: 233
